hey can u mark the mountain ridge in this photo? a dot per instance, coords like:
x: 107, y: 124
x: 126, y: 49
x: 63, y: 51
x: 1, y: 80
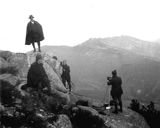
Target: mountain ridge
x: 93, y: 60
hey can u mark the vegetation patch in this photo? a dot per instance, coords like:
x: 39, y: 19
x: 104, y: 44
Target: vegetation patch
x: 149, y: 112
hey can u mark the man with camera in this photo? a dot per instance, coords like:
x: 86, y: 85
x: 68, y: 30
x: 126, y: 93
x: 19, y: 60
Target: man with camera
x: 116, y: 90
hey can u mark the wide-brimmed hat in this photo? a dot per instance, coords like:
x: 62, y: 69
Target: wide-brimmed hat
x: 31, y: 16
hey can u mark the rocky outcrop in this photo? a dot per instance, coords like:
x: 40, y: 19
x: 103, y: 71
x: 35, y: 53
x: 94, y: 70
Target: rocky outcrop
x: 11, y: 79
x: 62, y: 122
x: 35, y: 119
x: 26, y: 109
x: 49, y: 66
x: 22, y: 62
x: 3, y: 63
x: 125, y: 119
x: 5, y: 54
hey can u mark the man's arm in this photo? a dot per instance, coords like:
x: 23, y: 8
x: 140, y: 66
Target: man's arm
x: 120, y: 81
x: 110, y: 82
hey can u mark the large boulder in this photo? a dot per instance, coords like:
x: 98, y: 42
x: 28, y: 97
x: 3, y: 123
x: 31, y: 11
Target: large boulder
x: 48, y: 59
x: 23, y: 62
x: 8, y: 89
x: 6, y: 54
x: 86, y: 117
x: 125, y: 119
x: 58, y: 69
x: 55, y: 82
x: 96, y: 112
x: 3, y: 63
x: 62, y: 122
x: 20, y: 61
x: 11, y: 79
x: 53, y: 63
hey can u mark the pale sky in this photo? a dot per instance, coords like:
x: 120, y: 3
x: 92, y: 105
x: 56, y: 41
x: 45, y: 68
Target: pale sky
x: 71, y: 22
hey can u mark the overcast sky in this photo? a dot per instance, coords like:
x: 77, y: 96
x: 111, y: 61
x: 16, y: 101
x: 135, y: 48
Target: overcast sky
x: 71, y: 22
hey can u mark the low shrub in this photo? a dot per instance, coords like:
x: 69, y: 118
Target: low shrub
x: 149, y: 112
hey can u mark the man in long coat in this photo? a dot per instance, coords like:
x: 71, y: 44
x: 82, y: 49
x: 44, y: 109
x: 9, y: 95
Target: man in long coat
x: 66, y: 74
x: 34, y: 33
x: 37, y: 77
x: 116, y: 90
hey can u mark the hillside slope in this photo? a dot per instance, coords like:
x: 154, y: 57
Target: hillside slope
x: 92, y: 61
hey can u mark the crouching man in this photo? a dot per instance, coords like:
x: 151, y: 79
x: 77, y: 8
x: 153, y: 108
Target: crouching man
x: 116, y: 91
x: 37, y: 77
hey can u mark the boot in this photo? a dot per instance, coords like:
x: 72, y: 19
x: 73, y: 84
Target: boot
x: 116, y: 109
x: 34, y: 50
x: 40, y: 50
x: 120, y: 104
x: 115, y: 112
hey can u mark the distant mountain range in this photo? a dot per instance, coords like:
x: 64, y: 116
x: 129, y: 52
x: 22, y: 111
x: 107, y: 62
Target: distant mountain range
x: 136, y: 61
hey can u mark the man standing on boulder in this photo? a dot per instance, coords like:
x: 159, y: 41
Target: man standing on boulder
x: 116, y: 91
x: 37, y: 77
x: 34, y: 33
x: 66, y: 74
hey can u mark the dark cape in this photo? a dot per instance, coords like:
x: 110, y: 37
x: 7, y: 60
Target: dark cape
x: 34, y: 33
x: 36, y: 74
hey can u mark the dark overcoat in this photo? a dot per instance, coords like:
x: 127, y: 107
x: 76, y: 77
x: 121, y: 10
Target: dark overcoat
x: 36, y: 74
x: 34, y: 33
x: 66, y: 72
x: 116, y: 83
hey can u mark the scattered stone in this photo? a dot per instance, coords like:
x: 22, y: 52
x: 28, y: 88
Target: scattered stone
x: 62, y: 122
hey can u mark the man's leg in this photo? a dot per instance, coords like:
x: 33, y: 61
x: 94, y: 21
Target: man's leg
x: 115, y: 104
x: 120, y: 102
x: 69, y: 83
x: 39, y: 46
x: 64, y: 82
x: 34, y: 47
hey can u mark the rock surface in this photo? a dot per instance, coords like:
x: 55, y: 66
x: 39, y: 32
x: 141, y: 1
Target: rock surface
x: 125, y: 119
x: 3, y: 63
x: 63, y: 122
x: 13, y: 80
x: 22, y: 62
x: 5, y: 54
x: 33, y: 109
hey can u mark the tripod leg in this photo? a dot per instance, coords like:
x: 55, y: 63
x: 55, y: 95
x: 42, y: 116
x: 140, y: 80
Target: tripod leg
x: 109, y: 95
x: 105, y: 94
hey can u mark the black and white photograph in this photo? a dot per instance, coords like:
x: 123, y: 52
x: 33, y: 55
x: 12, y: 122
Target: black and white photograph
x: 80, y: 64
